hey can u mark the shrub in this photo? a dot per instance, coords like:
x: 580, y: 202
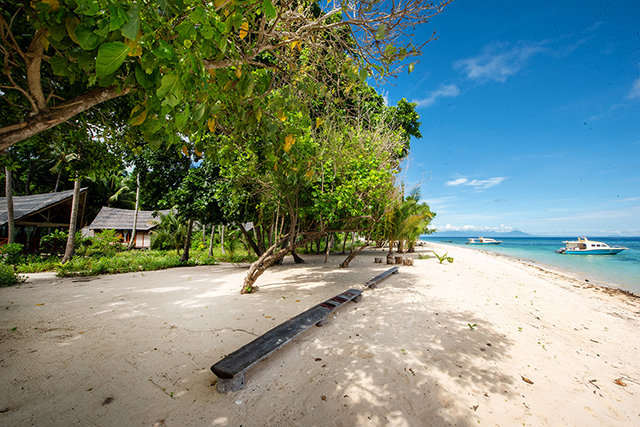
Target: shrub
x: 8, y: 276
x: 12, y: 253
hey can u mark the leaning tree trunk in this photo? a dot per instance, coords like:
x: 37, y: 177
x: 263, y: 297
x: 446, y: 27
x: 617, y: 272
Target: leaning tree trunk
x: 213, y: 234
x: 269, y: 258
x: 187, y: 242
x: 249, y: 239
x: 11, y: 232
x: 352, y: 255
x: 132, y: 242
x: 73, y: 224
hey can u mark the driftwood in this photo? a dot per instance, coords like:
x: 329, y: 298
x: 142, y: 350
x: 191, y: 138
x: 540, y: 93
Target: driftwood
x: 230, y: 370
x: 372, y: 284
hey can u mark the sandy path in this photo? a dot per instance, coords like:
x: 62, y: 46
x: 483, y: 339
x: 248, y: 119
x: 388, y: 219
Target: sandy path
x: 135, y: 349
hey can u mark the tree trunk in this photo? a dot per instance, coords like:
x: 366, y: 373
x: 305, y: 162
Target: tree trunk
x: 327, y: 249
x: 269, y: 258
x: 11, y: 224
x: 73, y: 224
x: 252, y: 242
x: 222, y: 238
x: 352, y: 255
x: 344, y: 244
x: 132, y: 242
x: 187, y: 242
x: 213, y: 234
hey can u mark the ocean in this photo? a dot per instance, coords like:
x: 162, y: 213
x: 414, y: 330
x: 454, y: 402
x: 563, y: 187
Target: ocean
x: 621, y: 270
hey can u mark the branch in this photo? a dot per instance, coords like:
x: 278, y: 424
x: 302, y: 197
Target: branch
x: 47, y: 118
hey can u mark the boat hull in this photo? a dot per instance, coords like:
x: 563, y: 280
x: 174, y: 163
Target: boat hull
x: 611, y: 251
x: 485, y: 243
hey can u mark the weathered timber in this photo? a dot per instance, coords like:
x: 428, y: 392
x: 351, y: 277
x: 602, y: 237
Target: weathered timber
x: 230, y: 370
x: 373, y: 283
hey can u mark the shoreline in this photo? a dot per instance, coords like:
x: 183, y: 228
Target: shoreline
x: 485, y: 340
x: 572, y: 274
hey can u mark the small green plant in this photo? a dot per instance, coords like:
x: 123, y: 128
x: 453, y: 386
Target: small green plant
x: 12, y: 253
x: 9, y: 277
x: 472, y: 327
x: 420, y: 256
x: 443, y: 258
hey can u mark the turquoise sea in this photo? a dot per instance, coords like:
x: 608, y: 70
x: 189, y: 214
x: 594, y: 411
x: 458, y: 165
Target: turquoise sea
x: 621, y: 270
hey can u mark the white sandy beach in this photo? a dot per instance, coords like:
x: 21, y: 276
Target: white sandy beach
x: 436, y: 345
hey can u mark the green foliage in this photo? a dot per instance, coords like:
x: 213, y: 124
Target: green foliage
x: 57, y: 239
x: 12, y: 254
x: 443, y: 258
x: 8, y: 276
x: 170, y: 233
x: 104, y: 243
x: 35, y: 263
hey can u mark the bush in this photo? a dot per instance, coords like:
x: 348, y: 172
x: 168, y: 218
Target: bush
x: 8, y: 276
x: 12, y: 253
x: 57, y: 239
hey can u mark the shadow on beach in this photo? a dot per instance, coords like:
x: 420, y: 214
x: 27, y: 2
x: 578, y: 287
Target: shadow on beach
x: 144, y: 343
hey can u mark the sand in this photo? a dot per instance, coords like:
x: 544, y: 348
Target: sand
x: 483, y: 341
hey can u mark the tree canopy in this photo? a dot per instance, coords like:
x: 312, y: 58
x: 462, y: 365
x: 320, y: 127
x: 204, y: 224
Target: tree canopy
x: 190, y: 64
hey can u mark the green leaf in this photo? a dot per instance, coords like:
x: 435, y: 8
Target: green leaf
x: 145, y: 80
x: 131, y: 29
x: 363, y: 74
x: 86, y: 37
x: 86, y: 61
x: 411, y: 67
x: 382, y: 32
x: 186, y: 29
x: 110, y: 57
x: 198, y: 112
x: 207, y: 32
x: 198, y: 15
x: 269, y: 10
x: 57, y: 33
x: 164, y: 51
x: 59, y: 66
x: 89, y: 8
x: 117, y: 17
x: 170, y: 89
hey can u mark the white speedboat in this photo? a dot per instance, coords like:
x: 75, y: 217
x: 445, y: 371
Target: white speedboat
x: 584, y: 246
x: 483, y: 241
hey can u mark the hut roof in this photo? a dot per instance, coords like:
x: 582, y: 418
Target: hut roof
x: 24, y: 206
x: 122, y: 219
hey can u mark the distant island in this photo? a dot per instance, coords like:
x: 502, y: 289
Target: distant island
x: 514, y: 233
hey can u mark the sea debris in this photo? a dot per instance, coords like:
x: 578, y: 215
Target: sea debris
x: 620, y: 382
x: 526, y: 380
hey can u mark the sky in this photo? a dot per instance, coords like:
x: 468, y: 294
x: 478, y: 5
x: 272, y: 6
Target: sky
x: 530, y: 117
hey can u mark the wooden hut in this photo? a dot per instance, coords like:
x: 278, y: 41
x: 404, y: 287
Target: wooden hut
x: 121, y: 220
x: 34, y: 213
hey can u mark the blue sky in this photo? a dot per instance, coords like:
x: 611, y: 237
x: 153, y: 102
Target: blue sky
x: 530, y: 117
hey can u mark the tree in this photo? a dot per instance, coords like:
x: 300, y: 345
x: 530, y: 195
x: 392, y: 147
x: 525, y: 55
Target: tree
x: 63, y: 57
x: 195, y: 200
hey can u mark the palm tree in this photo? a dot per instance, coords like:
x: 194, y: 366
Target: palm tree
x: 170, y: 232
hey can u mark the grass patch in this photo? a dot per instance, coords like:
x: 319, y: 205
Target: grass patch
x: 147, y: 260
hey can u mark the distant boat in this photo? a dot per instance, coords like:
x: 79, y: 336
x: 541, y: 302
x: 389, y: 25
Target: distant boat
x: 483, y: 241
x: 583, y: 246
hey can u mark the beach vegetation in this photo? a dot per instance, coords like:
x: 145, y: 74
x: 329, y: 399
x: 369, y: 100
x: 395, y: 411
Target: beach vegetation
x: 276, y: 142
x: 443, y: 258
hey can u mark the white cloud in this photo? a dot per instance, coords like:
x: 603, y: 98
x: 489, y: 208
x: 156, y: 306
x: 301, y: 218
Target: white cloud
x: 444, y: 91
x: 635, y: 90
x: 456, y: 182
x: 468, y: 228
x: 477, y: 184
x: 498, y: 62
